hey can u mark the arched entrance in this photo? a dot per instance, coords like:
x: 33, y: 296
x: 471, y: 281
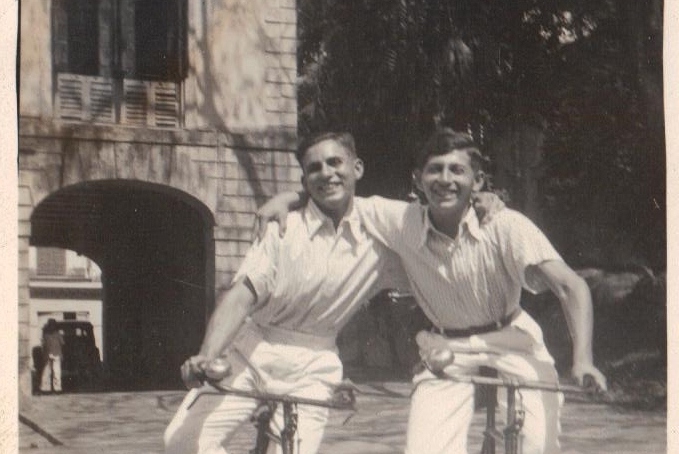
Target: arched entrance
x: 155, y: 248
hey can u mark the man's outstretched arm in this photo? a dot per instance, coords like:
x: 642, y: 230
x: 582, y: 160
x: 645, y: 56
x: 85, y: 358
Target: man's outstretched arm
x: 232, y: 308
x: 576, y: 301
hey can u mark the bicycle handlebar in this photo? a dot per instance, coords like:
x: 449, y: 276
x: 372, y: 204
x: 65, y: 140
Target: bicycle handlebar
x: 343, y: 400
x: 219, y: 368
x: 439, y: 358
x: 521, y: 384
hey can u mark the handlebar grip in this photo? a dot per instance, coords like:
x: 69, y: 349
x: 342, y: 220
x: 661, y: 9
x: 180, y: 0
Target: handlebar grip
x: 217, y: 369
x: 590, y: 385
x: 438, y: 359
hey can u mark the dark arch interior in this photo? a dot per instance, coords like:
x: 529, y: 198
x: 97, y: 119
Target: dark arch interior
x: 155, y: 249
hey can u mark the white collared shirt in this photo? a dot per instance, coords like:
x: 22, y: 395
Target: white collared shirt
x: 471, y: 280
x: 316, y: 277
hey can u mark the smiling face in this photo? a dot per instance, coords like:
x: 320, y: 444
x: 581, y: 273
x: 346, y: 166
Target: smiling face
x: 448, y: 181
x: 330, y: 175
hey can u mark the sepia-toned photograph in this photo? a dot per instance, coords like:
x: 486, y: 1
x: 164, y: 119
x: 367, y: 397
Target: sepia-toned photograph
x: 340, y: 227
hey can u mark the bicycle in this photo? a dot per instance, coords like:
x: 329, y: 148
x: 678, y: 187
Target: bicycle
x: 515, y: 417
x: 343, y: 399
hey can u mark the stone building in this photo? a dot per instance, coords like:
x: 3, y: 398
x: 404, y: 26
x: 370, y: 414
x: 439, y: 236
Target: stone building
x: 149, y: 131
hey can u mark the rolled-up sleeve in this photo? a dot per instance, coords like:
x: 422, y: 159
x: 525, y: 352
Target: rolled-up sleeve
x: 524, y: 245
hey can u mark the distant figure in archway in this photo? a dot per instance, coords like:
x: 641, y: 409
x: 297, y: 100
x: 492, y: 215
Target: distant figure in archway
x: 52, y: 348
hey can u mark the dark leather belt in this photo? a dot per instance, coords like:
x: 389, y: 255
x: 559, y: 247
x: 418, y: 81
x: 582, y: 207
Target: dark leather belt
x: 472, y: 330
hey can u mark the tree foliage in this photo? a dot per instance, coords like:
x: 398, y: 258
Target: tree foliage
x: 566, y: 96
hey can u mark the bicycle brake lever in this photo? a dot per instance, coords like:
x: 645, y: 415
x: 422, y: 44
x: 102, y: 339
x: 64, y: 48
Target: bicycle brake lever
x: 590, y: 385
x: 594, y: 391
x: 344, y: 397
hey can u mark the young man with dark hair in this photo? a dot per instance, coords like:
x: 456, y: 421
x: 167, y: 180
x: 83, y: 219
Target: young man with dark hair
x: 467, y: 279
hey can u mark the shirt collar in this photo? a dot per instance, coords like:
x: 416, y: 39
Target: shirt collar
x: 314, y: 219
x: 469, y: 223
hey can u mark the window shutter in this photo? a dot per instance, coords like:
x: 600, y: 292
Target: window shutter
x: 166, y: 104
x: 70, y: 97
x: 178, y: 34
x: 84, y: 98
x: 101, y: 100
x: 148, y: 103
x: 59, y: 36
x: 51, y: 261
x: 135, y: 102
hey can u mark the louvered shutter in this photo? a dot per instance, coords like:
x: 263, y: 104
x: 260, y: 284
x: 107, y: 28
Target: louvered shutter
x: 51, y: 261
x: 84, y: 98
x: 135, y: 103
x: 101, y: 100
x: 70, y: 97
x: 147, y: 103
x: 59, y: 36
x: 165, y: 104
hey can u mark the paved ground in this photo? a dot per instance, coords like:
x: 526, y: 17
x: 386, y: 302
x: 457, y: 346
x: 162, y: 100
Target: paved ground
x: 126, y: 423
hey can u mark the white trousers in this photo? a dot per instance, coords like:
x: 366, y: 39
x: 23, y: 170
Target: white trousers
x: 441, y: 410
x: 51, y: 374
x: 205, y: 425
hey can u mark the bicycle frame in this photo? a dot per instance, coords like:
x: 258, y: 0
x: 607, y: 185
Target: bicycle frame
x: 262, y: 419
x: 514, y: 423
x: 511, y: 432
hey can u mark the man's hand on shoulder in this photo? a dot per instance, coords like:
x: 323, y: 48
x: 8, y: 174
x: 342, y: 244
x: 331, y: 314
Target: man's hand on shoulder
x: 487, y: 204
x: 276, y: 209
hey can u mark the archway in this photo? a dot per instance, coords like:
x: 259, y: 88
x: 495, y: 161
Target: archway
x: 155, y: 248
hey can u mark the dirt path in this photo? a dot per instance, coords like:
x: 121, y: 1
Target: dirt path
x: 122, y: 423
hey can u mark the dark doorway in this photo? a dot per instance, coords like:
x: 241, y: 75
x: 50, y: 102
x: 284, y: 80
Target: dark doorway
x: 155, y: 249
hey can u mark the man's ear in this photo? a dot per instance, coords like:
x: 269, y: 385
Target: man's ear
x: 417, y: 179
x: 479, y: 180
x: 358, y: 168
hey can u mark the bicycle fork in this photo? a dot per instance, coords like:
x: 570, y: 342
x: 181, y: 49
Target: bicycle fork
x: 514, y: 422
x: 286, y: 438
x: 510, y: 434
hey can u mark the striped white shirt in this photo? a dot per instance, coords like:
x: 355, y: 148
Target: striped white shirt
x: 472, y: 280
x: 315, y: 278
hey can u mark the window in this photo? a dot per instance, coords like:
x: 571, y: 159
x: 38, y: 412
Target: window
x: 81, y: 30
x: 51, y: 261
x: 157, y: 40
x: 119, y: 60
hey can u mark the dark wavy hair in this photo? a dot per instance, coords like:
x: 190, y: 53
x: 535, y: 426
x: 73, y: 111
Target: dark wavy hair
x: 445, y: 140
x: 345, y: 139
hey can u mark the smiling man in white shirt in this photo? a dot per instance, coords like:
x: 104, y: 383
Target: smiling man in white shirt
x: 279, y: 320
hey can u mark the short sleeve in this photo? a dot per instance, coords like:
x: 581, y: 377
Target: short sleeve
x: 260, y: 264
x: 382, y: 218
x: 523, y: 244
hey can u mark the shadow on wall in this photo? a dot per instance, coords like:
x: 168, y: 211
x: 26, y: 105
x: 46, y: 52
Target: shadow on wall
x: 232, y: 81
